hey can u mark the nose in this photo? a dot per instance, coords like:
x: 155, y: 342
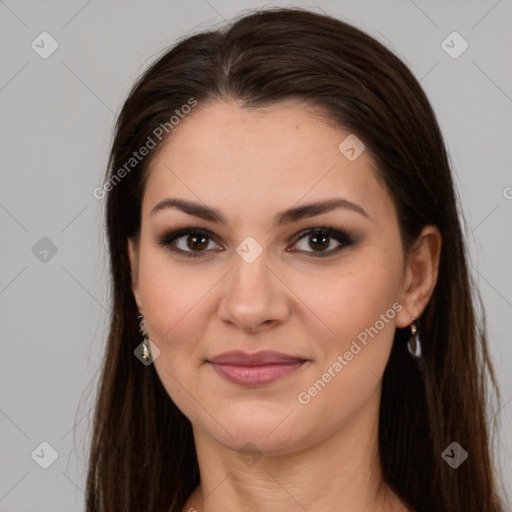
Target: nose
x: 254, y: 297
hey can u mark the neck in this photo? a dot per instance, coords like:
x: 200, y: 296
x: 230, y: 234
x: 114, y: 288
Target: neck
x: 340, y: 473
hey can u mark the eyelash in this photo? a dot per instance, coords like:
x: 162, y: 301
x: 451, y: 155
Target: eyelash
x: 345, y: 240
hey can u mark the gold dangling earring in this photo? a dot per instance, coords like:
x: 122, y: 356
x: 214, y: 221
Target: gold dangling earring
x: 145, y: 344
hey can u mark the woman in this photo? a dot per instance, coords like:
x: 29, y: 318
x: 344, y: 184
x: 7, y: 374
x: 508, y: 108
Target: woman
x: 283, y: 231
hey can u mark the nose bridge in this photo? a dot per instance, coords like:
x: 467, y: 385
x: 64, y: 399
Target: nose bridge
x: 251, y: 269
x: 253, y: 294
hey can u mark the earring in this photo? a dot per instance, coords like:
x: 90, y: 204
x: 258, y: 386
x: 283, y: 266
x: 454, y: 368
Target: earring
x: 414, y: 343
x: 145, y: 344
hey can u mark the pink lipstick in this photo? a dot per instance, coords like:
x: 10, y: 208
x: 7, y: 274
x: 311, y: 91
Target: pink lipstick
x: 255, y: 369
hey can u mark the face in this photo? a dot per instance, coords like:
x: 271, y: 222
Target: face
x: 258, y: 280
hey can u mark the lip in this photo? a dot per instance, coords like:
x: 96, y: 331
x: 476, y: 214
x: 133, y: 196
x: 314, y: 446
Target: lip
x: 255, y: 369
x: 264, y: 357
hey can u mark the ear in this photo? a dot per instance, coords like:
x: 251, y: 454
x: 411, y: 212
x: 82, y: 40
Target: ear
x: 133, y: 255
x: 420, y: 275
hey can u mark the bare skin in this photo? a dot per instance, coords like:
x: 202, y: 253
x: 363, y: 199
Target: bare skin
x: 278, y: 446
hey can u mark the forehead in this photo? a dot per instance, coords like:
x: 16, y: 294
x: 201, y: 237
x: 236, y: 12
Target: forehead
x: 254, y: 162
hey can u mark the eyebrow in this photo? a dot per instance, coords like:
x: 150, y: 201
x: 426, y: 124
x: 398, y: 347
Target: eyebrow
x: 281, y: 218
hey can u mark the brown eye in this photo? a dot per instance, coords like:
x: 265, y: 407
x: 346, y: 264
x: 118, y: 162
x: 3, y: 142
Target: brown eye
x: 194, y: 242
x: 319, y: 242
x: 191, y: 242
x: 197, y: 242
x: 320, y: 239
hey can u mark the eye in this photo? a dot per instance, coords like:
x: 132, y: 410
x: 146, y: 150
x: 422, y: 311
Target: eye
x: 320, y: 239
x: 195, y: 239
x: 194, y: 242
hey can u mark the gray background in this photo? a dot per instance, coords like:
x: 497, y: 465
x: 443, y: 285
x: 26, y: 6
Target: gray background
x: 56, y: 121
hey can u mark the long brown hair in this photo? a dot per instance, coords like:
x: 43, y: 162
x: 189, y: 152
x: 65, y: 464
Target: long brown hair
x: 142, y: 454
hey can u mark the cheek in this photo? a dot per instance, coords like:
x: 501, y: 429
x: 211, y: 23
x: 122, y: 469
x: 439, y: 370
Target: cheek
x: 176, y: 308
x: 361, y: 310
x: 350, y: 298
x: 174, y: 300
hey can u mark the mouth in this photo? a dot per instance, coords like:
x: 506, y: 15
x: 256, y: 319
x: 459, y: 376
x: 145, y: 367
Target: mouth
x: 256, y: 369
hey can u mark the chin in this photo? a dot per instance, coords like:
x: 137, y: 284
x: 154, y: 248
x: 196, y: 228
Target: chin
x: 272, y: 432
x: 249, y: 440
